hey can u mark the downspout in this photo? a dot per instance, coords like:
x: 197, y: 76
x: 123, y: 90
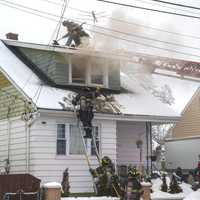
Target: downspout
x: 27, y: 132
x: 151, y: 152
x: 147, y: 143
x: 9, y: 137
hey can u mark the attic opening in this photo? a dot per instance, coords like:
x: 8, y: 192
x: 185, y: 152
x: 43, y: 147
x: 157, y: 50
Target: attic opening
x: 88, y: 71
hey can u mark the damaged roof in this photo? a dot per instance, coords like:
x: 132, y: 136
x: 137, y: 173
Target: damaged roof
x: 48, y: 97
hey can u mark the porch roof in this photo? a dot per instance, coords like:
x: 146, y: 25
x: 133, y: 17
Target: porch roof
x: 47, y: 97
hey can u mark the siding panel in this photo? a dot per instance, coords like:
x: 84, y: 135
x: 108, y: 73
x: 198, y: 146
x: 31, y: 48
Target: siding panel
x: 45, y: 164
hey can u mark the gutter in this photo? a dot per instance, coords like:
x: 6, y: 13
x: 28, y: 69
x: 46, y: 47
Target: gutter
x: 111, y: 116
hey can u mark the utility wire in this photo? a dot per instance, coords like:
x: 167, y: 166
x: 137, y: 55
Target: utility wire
x: 177, y: 4
x: 144, y: 37
x: 114, y: 19
x: 165, y: 6
x: 29, y: 12
x: 128, y: 34
x: 59, y: 22
x: 144, y: 44
x: 136, y: 42
x: 149, y: 9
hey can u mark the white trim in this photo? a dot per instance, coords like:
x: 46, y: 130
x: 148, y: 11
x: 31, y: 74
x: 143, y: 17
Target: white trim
x: 182, y: 138
x: 88, y: 149
x: 117, y: 117
x: 63, y: 139
x: 88, y: 75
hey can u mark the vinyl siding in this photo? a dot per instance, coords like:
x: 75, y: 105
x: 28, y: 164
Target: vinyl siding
x: 46, y: 165
x: 189, y: 125
x: 56, y: 66
x: 53, y: 64
x: 10, y: 99
x: 17, y: 147
x: 127, y: 135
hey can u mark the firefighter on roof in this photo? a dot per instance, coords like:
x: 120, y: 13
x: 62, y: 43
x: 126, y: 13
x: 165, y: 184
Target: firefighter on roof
x: 75, y: 32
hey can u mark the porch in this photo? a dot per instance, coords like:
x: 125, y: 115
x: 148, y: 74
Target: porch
x: 134, y: 144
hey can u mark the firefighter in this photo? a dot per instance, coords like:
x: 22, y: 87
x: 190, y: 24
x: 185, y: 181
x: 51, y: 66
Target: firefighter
x: 107, y: 182
x: 74, y: 32
x: 85, y: 101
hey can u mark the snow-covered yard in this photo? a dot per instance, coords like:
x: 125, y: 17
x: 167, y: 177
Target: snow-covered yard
x: 187, y: 194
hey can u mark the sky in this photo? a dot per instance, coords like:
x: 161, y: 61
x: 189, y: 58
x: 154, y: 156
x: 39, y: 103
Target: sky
x: 36, y: 29
x: 32, y: 28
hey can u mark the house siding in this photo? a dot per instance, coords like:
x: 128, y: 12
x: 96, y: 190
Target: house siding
x: 15, y: 150
x: 127, y: 135
x: 46, y: 165
x: 189, y: 124
x: 11, y: 101
x: 56, y: 66
x: 53, y: 64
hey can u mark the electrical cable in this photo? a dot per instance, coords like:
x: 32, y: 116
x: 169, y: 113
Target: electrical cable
x: 169, y: 7
x: 136, y: 42
x: 149, y: 9
x: 131, y: 23
x: 123, y: 21
x: 177, y: 4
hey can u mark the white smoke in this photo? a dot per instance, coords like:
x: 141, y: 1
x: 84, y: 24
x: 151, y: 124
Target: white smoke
x: 135, y: 77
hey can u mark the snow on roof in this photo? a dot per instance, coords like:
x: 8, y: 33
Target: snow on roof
x: 48, y: 97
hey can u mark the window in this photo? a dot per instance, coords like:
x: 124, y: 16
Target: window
x: 96, y: 136
x: 87, y: 71
x: 78, y: 69
x: 61, y: 139
x: 78, y: 74
x: 97, y: 75
x: 76, y: 144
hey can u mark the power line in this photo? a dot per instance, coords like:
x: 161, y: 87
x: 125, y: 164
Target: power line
x: 29, y: 12
x: 149, y: 9
x: 146, y: 38
x: 128, y: 34
x: 177, y: 4
x: 165, y: 6
x: 156, y: 29
x: 61, y: 17
x: 132, y: 41
x: 143, y: 44
x: 59, y: 4
x: 130, y: 23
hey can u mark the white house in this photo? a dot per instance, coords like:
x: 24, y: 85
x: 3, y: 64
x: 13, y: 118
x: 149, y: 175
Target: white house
x: 43, y: 75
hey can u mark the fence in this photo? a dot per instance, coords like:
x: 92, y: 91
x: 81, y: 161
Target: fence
x: 19, y: 186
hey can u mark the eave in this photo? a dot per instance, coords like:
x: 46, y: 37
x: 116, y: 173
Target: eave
x: 111, y: 116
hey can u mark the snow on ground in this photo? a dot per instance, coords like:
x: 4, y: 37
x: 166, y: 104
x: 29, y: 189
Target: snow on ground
x: 187, y: 194
x: 193, y: 196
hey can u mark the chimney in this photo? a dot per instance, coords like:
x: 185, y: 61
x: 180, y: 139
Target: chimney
x: 12, y: 36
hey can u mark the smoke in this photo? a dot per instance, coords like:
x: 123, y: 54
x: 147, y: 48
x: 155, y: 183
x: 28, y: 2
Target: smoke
x: 135, y: 77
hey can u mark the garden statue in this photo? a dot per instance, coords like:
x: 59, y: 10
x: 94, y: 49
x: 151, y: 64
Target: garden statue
x: 173, y: 186
x: 164, y: 187
x: 65, y: 183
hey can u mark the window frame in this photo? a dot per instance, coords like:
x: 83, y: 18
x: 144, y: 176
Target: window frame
x: 89, y: 151
x: 88, y: 75
x: 61, y: 139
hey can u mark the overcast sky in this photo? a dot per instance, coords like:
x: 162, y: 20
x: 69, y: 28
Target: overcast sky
x: 36, y: 29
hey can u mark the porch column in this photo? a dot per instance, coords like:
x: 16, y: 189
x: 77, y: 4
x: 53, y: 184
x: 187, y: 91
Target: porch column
x: 148, y: 147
